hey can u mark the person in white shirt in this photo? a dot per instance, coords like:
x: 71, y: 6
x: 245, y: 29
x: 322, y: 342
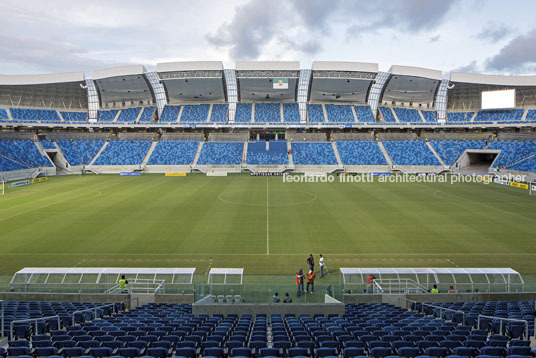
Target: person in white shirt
x: 321, y: 263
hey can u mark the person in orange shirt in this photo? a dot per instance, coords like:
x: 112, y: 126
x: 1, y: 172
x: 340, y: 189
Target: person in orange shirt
x: 299, y: 282
x: 370, y: 281
x: 311, y: 281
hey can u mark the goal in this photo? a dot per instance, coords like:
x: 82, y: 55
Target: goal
x: 3, y: 185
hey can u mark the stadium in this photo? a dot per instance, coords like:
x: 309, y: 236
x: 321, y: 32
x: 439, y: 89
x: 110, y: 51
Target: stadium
x: 171, y: 211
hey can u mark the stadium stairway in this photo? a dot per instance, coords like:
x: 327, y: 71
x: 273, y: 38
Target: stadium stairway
x: 336, y: 151
x: 290, y: 156
x: 149, y: 153
x: 395, y: 115
x: 194, y: 163
x: 435, y: 153
x: 387, y: 157
x: 245, y: 155
x: 98, y: 153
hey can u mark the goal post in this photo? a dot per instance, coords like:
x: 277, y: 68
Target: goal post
x: 3, y: 187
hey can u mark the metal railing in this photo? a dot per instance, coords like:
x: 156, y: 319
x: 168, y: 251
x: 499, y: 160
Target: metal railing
x: 526, y: 323
x: 143, y: 285
x: 402, y: 285
x: 113, y: 305
x: 36, y: 320
x: 441, y: 309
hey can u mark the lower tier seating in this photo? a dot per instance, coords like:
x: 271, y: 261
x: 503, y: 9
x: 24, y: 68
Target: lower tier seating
x: 80, y: 152
x: 318, y: 153
x: 173, y: 152
x: 361, y: 152
x: 410, y: 152
x: 277, y: 154
x: 124, y: 152
x: 221, y: 153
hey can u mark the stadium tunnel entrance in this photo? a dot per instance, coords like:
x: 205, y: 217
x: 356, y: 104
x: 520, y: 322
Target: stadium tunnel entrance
x: 475, y: 161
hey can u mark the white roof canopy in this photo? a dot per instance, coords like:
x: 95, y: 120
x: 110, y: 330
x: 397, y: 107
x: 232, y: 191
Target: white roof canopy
x: 225, y: 276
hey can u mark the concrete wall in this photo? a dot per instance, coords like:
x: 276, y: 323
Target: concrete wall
x: 61, y: 297
x: 440, y: 297
x: 278, y: 308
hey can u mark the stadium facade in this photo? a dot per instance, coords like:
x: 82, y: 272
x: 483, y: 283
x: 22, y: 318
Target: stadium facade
x: 266, y: 117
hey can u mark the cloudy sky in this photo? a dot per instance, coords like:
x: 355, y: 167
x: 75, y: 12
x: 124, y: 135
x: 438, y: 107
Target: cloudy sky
x: 486, y: 36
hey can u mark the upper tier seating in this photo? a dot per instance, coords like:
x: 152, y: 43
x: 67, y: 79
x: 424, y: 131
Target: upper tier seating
x: 170, y: 114
x: 124, y: 152
x: 339, y: 113
x: 129, y: 115
x: 194, y: 113
x: 512, y: 151
x: 23, y: 152
x: 107, y: 116
x: 267, y: 112
x: 3, y: 114
x: 243, y: 113
x: 451, y: 150
x: 315, y: 113
x: 531, y: 115
x: 276, y: 155
x: 80, y: 152
x: 410, y: 152
x: 221, y: 153
x: 173, y: 152
x: 525, y: 165
x: 408, y: 115
x: 361, y: 152
x: 499, y: 115
x: 459, y: 116
x: 429, y: 116
x: 364, y: 114
x: 291, y: 113
x: 147, y: 115
x: 387, y: 115
x: 219, y: 113
x: 74, y: 117
x: 319, y: 153
x: 27, y: 114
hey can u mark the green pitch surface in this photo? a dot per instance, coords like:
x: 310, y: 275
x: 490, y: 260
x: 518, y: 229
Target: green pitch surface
x: 263, y: 224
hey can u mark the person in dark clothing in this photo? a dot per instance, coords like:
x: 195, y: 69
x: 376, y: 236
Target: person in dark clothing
x: 311, y: 262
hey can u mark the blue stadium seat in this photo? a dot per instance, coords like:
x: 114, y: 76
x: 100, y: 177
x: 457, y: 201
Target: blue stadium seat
x: 124, y: 152
x: 410, y: 152
x: 267, y: 113
x: 173, y: 153
x: 276, y: 155
x: 221, y: 153
x: 316, y: 153
x: 362, y: 152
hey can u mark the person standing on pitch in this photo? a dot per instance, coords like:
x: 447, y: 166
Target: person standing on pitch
x: 321, y: 264
x: 311, y: 281
x: 311, y: 262
x: 299, y: 282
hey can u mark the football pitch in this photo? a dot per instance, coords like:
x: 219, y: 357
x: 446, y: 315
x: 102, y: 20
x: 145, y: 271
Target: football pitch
x: 262, y: 224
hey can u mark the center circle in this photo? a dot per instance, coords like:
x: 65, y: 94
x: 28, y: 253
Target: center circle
x: 276, y: 197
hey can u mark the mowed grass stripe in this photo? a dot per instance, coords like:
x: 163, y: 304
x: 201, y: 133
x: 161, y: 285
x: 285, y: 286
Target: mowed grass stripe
x: 152, y: 220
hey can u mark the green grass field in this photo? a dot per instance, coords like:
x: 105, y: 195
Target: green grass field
x: 263, y: 224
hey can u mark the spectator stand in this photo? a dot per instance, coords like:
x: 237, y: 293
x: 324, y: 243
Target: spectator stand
x: 421, y: 280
